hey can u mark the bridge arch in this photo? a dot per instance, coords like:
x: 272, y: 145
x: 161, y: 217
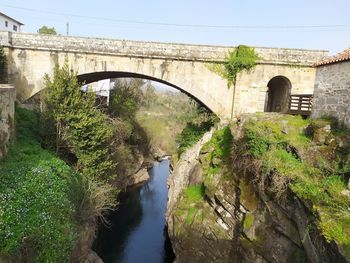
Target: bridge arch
x: 88, y: 78
x: 31, y: 56
x: 278, y: 92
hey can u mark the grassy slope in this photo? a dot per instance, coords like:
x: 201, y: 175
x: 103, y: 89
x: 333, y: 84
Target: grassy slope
x: 164, y: 119
x: 173, y: 122
x: 37, y: 208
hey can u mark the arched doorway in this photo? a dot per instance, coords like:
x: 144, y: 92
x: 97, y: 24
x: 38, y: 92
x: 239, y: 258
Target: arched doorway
x: 278, y: 94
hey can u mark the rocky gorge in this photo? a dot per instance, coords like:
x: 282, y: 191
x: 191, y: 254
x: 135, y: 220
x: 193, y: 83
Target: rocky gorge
x: 266, y: 188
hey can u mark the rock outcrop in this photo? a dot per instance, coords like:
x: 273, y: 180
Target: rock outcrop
x: 220, y: 211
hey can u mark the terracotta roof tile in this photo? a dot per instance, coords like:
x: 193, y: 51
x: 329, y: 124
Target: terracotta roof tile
x: 342, y: 56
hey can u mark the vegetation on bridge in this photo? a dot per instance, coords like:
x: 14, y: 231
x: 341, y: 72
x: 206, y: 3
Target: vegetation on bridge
x: 240, y: 58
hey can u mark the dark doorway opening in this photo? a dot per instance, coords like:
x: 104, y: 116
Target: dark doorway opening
x: 278, y: 94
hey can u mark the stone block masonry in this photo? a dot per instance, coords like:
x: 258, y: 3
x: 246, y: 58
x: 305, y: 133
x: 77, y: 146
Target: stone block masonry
x: 153, y: 50
x: 332, y: 92
x: 7, y: 117
x: 183, y: 66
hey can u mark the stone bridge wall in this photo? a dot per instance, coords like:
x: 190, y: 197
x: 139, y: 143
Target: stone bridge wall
x: 185, y: 66
x: 7, y: 117
x: 143, y: 49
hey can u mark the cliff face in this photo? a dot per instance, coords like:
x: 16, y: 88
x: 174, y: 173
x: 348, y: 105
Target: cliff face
x: 231, y: 199
x: 202, y: 209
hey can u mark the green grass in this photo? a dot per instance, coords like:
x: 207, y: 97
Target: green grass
x: 36, y: 213
x: 248, y: 221
x: 191, y: 212
x: 161, y: 131
x: 218, y: 149
x: 189, y: 207
x: 261, y: 135
x: 217, y: 154
x: 194, y: 193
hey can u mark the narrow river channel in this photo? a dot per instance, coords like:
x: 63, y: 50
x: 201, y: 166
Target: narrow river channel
x: 136, y: 231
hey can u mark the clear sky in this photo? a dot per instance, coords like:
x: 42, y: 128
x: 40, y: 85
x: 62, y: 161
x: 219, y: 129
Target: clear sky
x: 312, y: 24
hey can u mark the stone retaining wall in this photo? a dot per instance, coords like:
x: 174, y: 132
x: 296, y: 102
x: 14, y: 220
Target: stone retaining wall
x: 332, y: 92
x: 7, y: 117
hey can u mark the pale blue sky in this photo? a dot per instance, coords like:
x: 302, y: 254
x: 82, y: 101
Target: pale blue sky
x: 260, y: 15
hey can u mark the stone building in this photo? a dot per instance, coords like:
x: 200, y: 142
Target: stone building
x: 9, y: 24
x: 332, y: 88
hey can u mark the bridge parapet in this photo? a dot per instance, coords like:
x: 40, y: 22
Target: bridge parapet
x: 154, y: 50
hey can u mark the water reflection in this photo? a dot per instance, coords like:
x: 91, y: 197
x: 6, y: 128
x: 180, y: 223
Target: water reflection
x: 136, y: 231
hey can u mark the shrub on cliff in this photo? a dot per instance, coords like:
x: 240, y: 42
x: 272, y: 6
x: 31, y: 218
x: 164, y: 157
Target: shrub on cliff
x: 195, y: 129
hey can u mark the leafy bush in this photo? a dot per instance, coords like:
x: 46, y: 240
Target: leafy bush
x: 194, y: 131
x: 37, y: 215
x: 191, y: 134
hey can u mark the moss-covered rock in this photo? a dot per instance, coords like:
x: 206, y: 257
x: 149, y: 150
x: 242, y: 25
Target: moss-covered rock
x: 271, y: 191
x: 305, y: 163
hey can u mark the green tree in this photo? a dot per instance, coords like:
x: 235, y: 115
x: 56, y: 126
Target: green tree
x: 130, y: 139
x: 47, y: 30
x: 80, y: 126
x: 126, y: 98
x: 150, y: 95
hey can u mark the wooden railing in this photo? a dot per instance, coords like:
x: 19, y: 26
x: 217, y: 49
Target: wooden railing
x: 300, y: 104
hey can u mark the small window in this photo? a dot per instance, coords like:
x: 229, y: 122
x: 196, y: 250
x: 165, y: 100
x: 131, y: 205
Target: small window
x: 6, y: 23
x: 14, y: 28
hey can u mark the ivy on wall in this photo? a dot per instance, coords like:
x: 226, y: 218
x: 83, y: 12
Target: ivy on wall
x: 240, y: 58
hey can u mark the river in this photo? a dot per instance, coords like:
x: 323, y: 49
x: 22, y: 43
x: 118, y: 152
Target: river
x: 136, y: 232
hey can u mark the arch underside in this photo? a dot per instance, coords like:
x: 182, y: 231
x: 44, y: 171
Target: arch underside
x: 88, y: 78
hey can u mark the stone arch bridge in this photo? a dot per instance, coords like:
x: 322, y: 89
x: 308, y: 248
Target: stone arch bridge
x: 183, y: 66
